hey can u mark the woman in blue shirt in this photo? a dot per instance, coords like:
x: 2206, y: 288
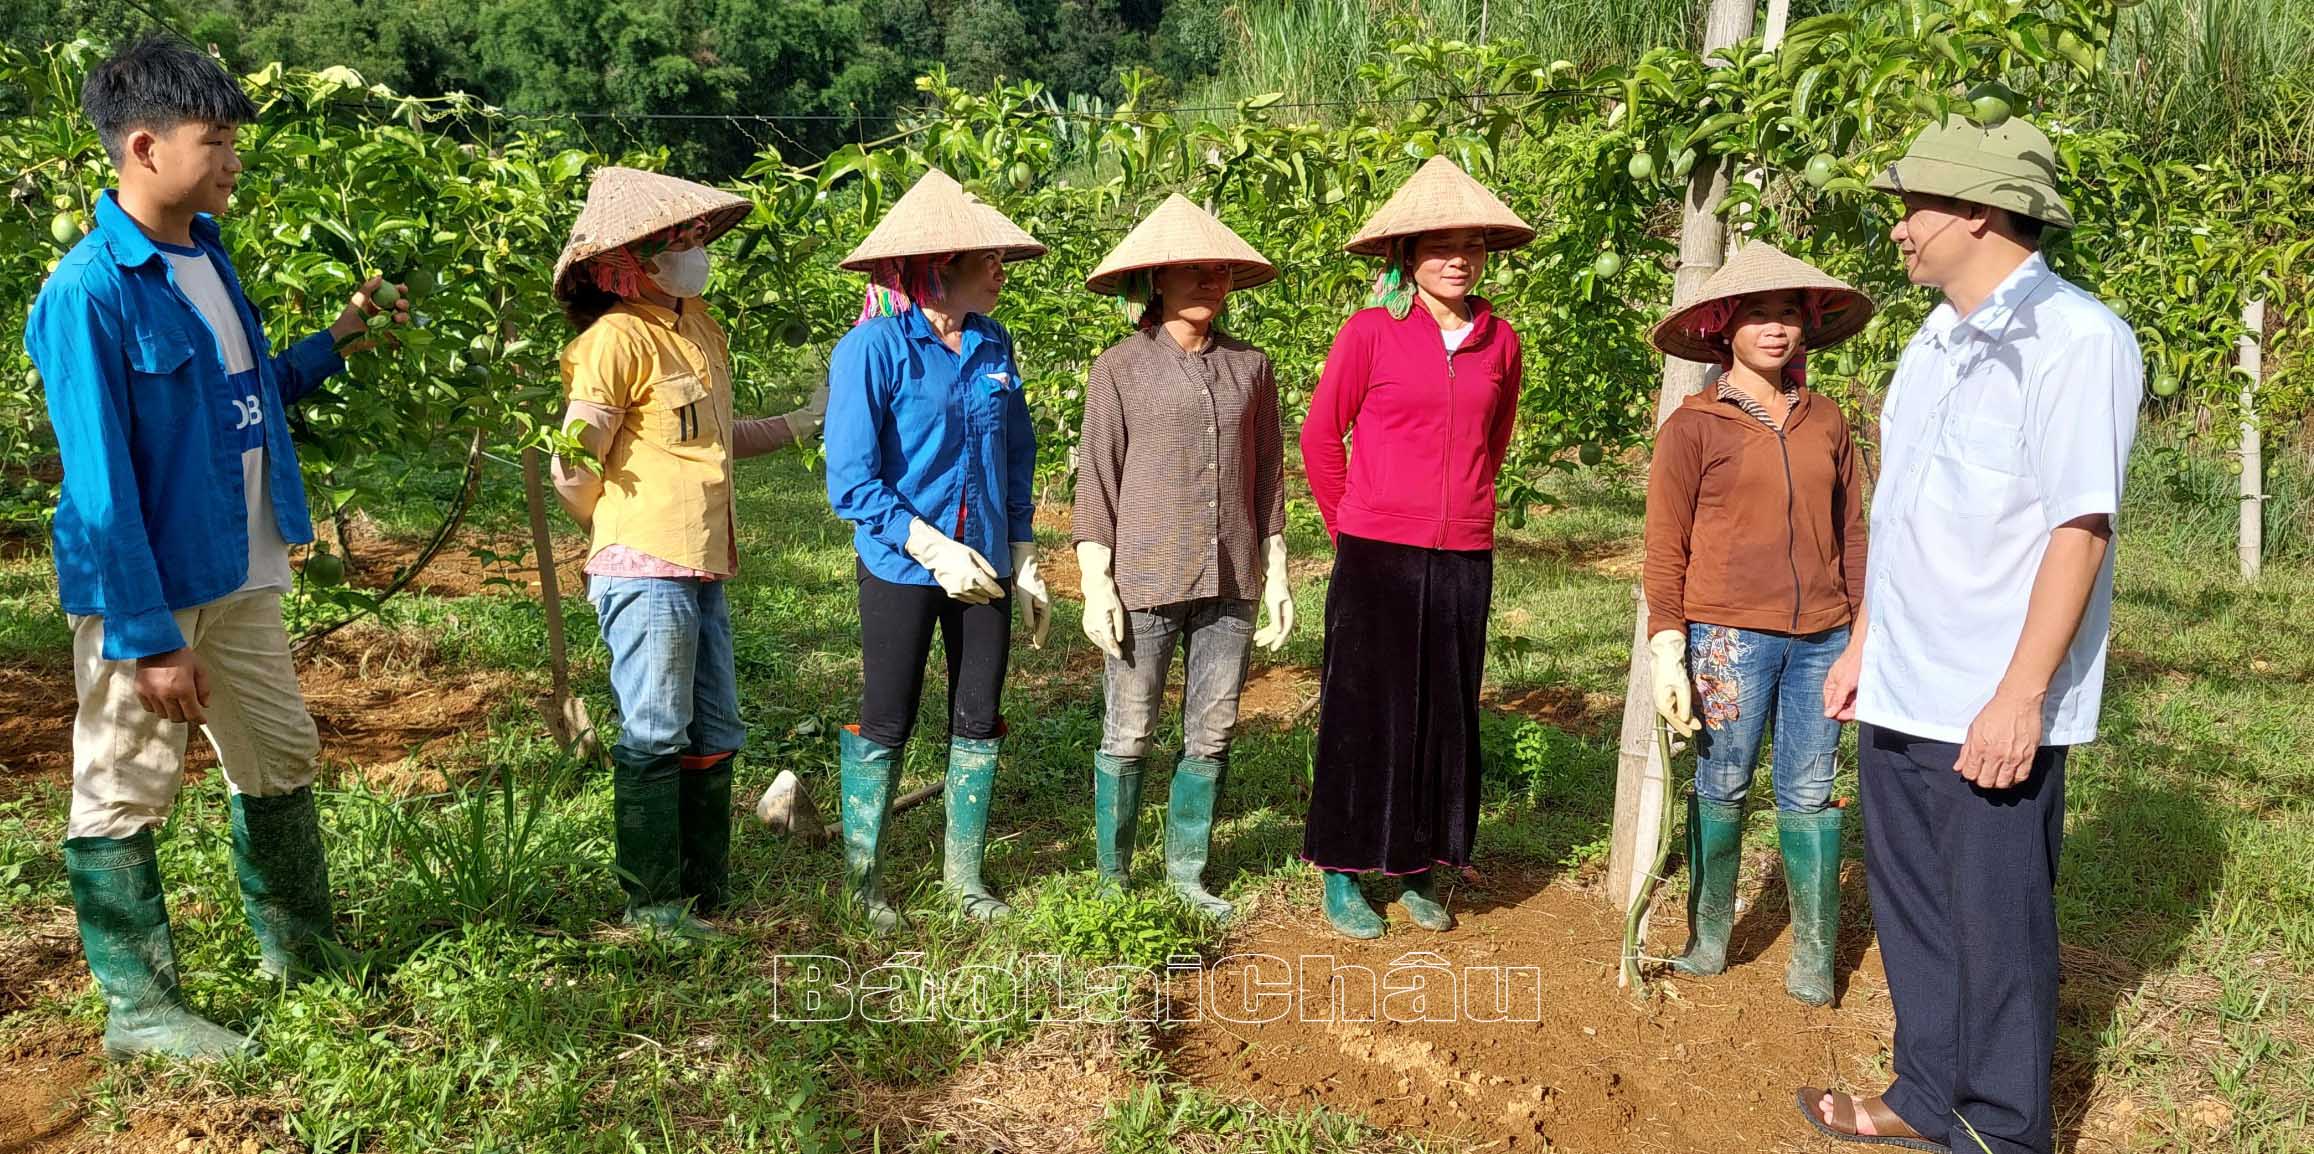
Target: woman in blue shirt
x: 931, y: 454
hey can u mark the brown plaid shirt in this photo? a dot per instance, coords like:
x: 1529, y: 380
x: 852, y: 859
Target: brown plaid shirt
x: 1181, y: 467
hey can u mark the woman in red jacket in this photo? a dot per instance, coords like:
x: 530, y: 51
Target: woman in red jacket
x: 1424, y: 383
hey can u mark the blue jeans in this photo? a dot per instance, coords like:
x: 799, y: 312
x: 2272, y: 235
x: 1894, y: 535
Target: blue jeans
x: 1216, y: 637
x: 1741, y: 676
x: 672, y: 671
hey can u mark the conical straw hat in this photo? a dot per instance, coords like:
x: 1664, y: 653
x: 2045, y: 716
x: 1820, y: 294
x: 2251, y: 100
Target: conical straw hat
x: 1759, y: 267
x: 625, y: 205
x: 1179, y: 232
x: 1440, y: 195
x: 938, y: 216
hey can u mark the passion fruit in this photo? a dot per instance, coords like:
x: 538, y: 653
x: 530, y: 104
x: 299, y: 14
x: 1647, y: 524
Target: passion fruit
x: 64, y: 228
x: 1821, y: 169
x: 326, y: 570
x: 2165, y: 384
x: 1642, y: 167
x: 386, y: 295
x: 1021, y: 175
x: 1590, y: 455
x: 794, y: 333
x: 1608, y: 264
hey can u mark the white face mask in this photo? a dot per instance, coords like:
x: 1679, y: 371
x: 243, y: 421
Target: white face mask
x: 680, y: 273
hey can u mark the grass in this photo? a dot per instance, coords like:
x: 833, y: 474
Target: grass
x: 2191, y: 76
x: 502, y: 1011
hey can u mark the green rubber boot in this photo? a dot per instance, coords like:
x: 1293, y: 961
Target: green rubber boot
x: 124, y: 931
x: 645, y: 799
x: 703, y: 817
x: 971, y: 787
x: 1116, y: 814
x: 869, y: 774
x: 1715, y: 834
x: 284, y: 882
x: 1811, y: 845
x: 1420, y: 897
x: 1347, y: 908
x: 1189, y: 834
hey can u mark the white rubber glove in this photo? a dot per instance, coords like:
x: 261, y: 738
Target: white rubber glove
x: 1275, y: 596
x: 1104, y: 611
x: 1674, y: 693
x: 966, y: 575
x: 803, y: 425
x: 1028, y: 592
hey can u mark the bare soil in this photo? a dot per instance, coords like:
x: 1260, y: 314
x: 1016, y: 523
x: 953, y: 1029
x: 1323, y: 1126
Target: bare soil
x: 1692, y: 1065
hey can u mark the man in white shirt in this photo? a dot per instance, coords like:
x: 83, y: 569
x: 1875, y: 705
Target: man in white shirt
x: 1979, y: 657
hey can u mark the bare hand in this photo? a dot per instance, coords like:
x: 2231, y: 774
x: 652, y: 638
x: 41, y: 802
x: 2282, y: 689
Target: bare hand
x: 1840, y: 684
x: 2002, y: 741
x: 175, y: 686
x: 353, y: 325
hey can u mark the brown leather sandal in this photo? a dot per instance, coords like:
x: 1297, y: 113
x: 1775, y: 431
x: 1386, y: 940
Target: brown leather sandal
x: 1892, y: 1130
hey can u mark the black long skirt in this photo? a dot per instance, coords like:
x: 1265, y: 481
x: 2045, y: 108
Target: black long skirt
x: 1396, y: 782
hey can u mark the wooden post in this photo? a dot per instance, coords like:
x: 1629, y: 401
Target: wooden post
x: 1779, y: 16
x: 2253, y: 513
x: 566, y: 717
x: 1641, y: 777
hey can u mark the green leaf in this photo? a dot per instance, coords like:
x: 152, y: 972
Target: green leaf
x: 1712, y: 127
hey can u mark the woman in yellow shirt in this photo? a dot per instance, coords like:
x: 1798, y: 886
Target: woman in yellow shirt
x: 648, y: 381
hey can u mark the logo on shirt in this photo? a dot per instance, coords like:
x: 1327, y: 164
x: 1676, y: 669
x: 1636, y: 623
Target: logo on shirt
x: 1000, y: 380
x: 251, y: 411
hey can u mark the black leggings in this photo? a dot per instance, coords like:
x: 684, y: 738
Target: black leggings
x: 895, y: 638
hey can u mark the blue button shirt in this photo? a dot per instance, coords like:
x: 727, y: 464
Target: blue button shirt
x: 150, y: 431
x: 917, y: 431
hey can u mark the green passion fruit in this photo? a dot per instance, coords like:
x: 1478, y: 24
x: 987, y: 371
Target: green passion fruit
x: 1590, y: 454
x: 1642, y: 167
x: 2166, y: 385
x: 1821, y: 169
x: 1021, y: 176
x: 326, y: 570
x: 386, y: 295
x: 794, y: 333
x: 64, y: 228
x: 1608, y: 264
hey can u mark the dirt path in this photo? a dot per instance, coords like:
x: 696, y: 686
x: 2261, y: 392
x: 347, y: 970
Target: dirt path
x: 1581, y: 1067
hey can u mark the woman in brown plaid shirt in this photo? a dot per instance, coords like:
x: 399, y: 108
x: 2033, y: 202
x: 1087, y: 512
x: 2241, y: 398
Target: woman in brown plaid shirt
x: 1179, y: 526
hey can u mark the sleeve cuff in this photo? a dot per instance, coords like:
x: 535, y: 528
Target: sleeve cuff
x: 2082, y: 505
x: 317, y: 359
x: 129, y: 636
x: 893, y: 530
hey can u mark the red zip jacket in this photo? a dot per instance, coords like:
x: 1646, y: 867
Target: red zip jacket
x: 1429, y: 428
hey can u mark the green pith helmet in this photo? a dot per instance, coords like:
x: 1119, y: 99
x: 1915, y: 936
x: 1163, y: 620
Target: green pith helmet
x: 2012, y: 167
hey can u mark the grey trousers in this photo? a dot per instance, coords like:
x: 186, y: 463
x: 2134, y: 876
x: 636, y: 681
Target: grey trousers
x: 1216, y: 636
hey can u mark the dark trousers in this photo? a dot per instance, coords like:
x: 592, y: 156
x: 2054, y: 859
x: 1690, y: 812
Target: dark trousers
x: 896, y: 623
x: 1963, y: 884
x: 1395, y: 780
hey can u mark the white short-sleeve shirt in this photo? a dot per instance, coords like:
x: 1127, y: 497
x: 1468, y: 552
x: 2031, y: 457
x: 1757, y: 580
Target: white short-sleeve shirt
x: 1998, y: 428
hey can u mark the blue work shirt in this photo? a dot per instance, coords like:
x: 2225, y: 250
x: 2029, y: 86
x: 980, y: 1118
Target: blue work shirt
x: 917, y: 431
x: 150, y: 430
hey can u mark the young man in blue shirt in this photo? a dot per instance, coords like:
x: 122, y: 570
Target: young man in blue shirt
x: 180, y: 500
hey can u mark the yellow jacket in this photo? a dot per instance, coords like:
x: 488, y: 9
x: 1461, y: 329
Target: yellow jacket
x: 667, y: 473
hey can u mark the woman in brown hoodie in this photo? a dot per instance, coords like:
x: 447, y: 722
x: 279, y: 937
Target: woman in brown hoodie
x: 1755, y: 568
